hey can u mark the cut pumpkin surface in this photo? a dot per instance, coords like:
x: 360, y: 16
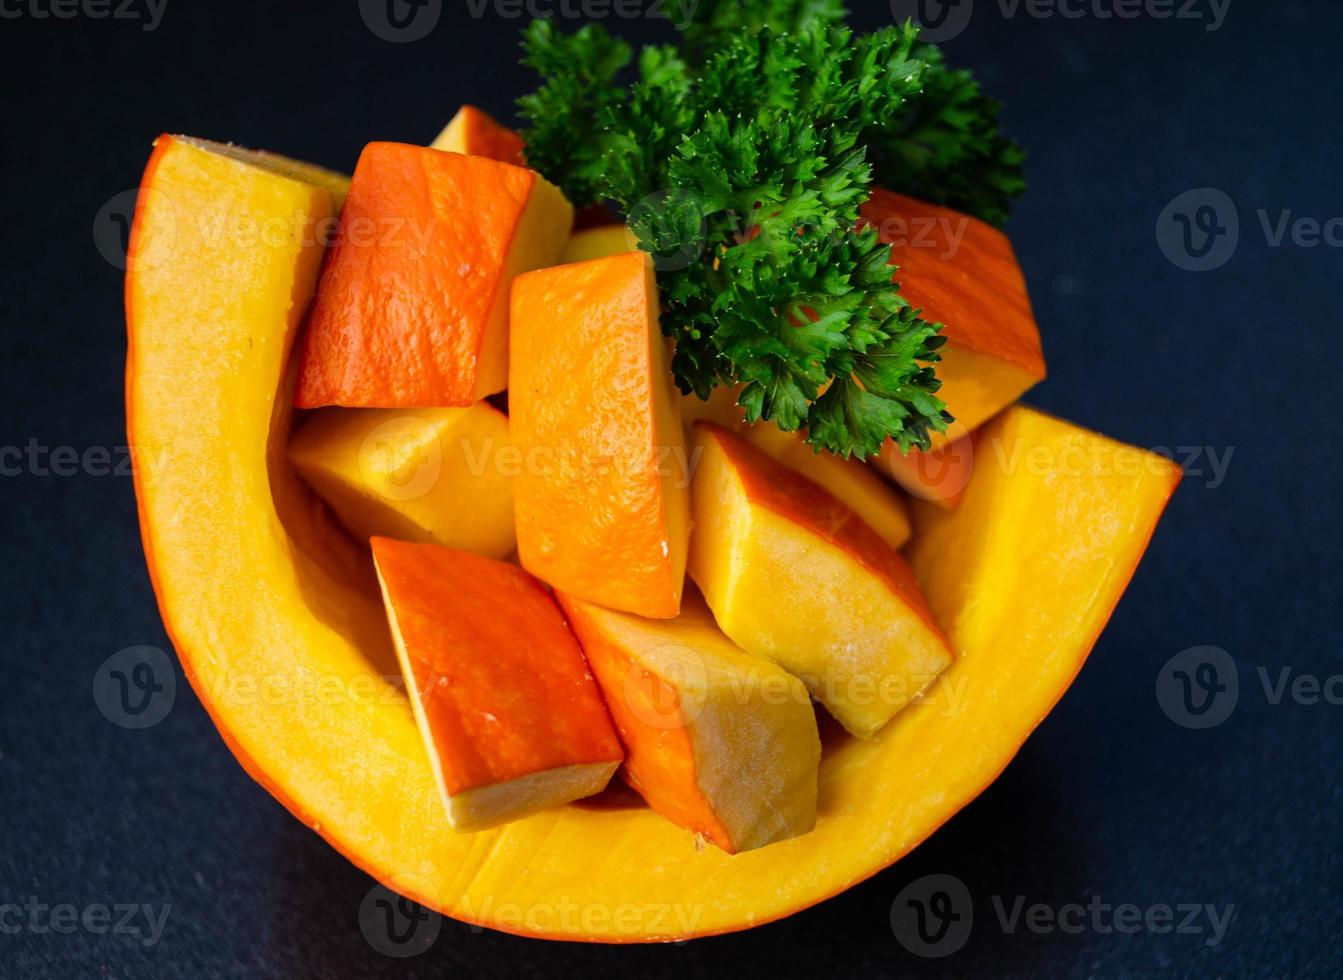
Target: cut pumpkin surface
x: 510, y: 716
x: 602, y: 499
x: 717, y: 741
x: 768, y: 544
x: 429, y: 474
x: 254, y: 583
x: 412, y: 307
x: 474, y: 132
x: 598, y: 243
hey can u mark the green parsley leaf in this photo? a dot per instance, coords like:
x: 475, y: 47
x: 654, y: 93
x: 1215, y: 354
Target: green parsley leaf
x: 946, y: 147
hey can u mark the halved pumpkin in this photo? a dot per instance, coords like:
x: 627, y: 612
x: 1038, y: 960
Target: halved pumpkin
x: 256, y: 584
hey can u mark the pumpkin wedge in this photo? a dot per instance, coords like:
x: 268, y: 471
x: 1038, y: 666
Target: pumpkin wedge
x: 427, y: 474
x: 511, y: 718
x: 255, y: 583
x: 717, y: 741
x: 793, y: 574
x: 602, y: 499
x: 412, y: 307
x: 475, y: 133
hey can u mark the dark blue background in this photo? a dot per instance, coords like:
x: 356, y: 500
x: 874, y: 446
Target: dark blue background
x: 1109, y: 797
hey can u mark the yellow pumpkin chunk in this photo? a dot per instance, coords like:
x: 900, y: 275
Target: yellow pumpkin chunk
x: 793, y: 574
x: 434, y: 475
x: 598, y: 243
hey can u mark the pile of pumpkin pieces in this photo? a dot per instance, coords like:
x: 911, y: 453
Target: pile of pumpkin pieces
x: 533, y: 552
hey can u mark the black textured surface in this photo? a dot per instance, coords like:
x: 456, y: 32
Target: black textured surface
x: 1110, y: 798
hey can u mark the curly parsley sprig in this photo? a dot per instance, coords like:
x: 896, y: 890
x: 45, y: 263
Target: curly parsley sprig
x: 741, y: 162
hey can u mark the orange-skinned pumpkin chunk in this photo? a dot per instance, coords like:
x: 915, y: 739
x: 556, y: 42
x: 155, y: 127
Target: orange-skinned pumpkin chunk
x: 476, y: 133
x: 717, y: 741
x: 962, y: 273
x: 793, y: 574
x: 937, y: 476
x: 412, y: 307
x: 254, y: 582
x: 602, y: 497
x: 426, y: 474
x: 510, y: 716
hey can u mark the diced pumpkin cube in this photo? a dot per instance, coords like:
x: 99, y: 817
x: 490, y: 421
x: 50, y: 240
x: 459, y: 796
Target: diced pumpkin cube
x: 716, y: 740
x: 962, y: 273
x: 477, y: 134
x: 427, y: 474
x: 851, y: 481
x: 793, y: 574
x: 510, y: 716
x: 938, y: 476
x: 602, y: 501
x: 848, y: 479
x: 598, y: 243
x: 412, y: 306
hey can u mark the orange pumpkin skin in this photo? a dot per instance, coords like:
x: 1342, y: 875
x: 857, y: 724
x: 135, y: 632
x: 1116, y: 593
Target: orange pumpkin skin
x: 500, y: 686
x: 717, y: 741
x: 660, y: 761
x: 411, y: 309
x: 602, y: 498
x: 476, y: 133
x: 963, y: 273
